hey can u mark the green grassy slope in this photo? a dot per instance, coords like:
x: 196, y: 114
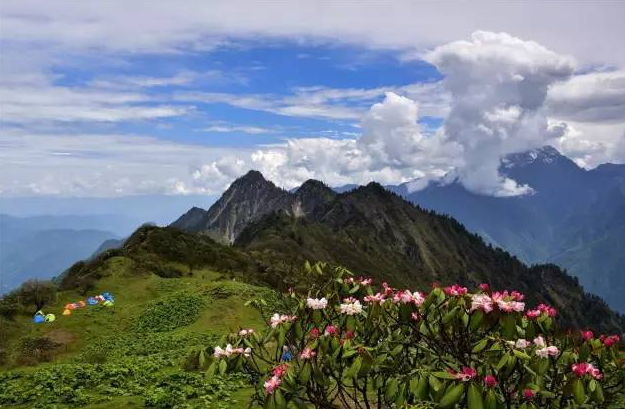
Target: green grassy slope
x: 132, y: 354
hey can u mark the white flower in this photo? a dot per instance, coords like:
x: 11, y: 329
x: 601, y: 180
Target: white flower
x: 247, y: 352
x: 522, y: 344
x: 246, y: 332
x: 218, y: 352
x: 351, y: 306
x: 540, y: 342
x: 317, y: 304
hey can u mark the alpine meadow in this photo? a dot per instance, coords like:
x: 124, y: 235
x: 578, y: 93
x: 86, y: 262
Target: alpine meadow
x: 312, y: 205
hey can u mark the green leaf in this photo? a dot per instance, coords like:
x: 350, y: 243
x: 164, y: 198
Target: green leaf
x: 450, y: 315
x: 201, y: 359
x: 443, y: 375
x: 391, y: 390
x: 354, y: 368
x: 480, y: 346
x: 579, y: 394
x: 509, y: 326
x: 474, y: 397
x: 435, y: 384
x: 491, y: 400
x: 304, y: 375
x: 280, y: 401
x: 521, y: 355
x: 476, y: 320
x: 223, y: 365
x: 597, y: 394
x: 419, y: 387
x: 453, y: 396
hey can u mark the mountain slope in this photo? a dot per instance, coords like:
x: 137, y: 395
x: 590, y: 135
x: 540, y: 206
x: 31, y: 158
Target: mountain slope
x: 574, y: 218
x: 375, y: 232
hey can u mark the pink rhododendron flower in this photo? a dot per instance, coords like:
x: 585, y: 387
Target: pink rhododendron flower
x: 507, y: 303
x: 229, y: 351
x: 481, y: 302
x: 388, y: 291
x: 484, y: 287
x: 349, y: 334
x: 331, y: 330
x: 280, y: 370
x: 351, y: 306
x: 610, y: 340
x: 528, y: 394
x: 316, y: 303
x: 584, y: 368
x: 587, y: 335
x: 546, y: 309
x: 378, y: 298
x: 272, y: 384
x: 246, y: 332
x: 517, y: 296
x: 547, y: 351
x: 407, y: 297
x: 277, y: 319
x: 366, y: 281
x: 314, y: 333
x: 466, y: 374
x: 308, y: 353
x: 455, y: 290
x: 415, y: 317
x: 490, y: 381
x: 533, y: 314
x: 348, y: 280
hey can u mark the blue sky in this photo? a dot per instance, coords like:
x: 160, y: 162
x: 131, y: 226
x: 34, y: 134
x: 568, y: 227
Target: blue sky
x: 101, y: 99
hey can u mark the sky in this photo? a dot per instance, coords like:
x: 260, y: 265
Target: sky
x: 110, y: 99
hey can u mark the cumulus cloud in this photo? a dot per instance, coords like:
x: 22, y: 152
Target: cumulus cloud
x: 392, y: 149
x: 591, y: 97
x: 499, y: 84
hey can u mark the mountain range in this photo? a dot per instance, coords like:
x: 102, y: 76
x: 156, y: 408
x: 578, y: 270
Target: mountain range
x: 373, y: 231
x: 575, y: 218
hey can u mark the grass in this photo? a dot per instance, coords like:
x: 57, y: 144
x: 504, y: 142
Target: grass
x: 144, y: 368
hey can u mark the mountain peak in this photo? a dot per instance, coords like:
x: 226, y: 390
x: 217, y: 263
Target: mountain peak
x: 251, y: 177
x: 546, y: 154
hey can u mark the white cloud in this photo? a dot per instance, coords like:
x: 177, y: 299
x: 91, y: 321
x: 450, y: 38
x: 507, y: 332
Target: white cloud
x: 392, y: 149
x: 225, y: 128
x: 592, y: 97
x: 499, y: 85
x: 103, y: 165
x: 172, y: 26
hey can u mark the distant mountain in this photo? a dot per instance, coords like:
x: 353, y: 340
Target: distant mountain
x: 375, y: 232
x: 247, y: 200
x: 44, y: 246
x: 575, y: 218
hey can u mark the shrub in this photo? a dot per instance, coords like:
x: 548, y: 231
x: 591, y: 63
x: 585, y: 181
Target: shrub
x: 347, y: 345
x: 37, y: 293
x: 170, y: 313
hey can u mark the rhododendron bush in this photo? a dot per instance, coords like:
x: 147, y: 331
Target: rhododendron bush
x: 350, y: 344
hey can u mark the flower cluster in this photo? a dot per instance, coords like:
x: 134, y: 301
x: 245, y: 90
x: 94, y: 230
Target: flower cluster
x: 506, y: 302
x: 361, y: 281
x: 331, y: 330
x: 465, y: 375
x: 519, y: 343
x: 308, y: 353
x: 230, y: 351
x: 585, y: 368
x: 541, y: 309
x: 351, y: 306
x: 246, y: 332
x: 378, y: 298
x: 277, y: 319
x: 544, y: 350
x: 276, y: 379
x: 456, y: 290
x: 316, y: 303
x: 587, y: 335
x: 609, y: 340
x: 407, y: 297
x: 509, y: 302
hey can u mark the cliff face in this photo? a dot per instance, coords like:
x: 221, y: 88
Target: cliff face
x: 247, y: 200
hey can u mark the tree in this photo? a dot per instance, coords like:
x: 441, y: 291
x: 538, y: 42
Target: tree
x: 346, y: 345
x: 37, y: 293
